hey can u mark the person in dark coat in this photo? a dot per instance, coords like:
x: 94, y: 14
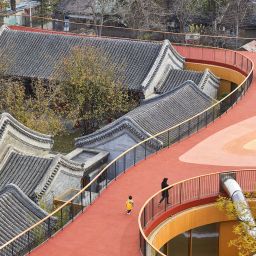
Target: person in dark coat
x: 165, y: 193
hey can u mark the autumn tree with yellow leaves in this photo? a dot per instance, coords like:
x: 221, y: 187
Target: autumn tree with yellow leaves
x: 38, y: 110
x: 243, y: 241
x: 94, y: 88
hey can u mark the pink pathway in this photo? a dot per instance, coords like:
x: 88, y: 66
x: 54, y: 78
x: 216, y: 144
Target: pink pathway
x: 103, y: 229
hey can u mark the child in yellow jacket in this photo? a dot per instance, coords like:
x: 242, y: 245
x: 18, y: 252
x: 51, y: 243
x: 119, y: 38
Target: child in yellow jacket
x: 129, y: 205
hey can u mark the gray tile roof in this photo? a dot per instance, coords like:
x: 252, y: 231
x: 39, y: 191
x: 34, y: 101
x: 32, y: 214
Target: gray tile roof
x: 177, y: 77
x: 34, y: 54
x: 156, y: 114
x: 9, y: 126
x: 169, y: 109
x: 206, y: 81
x: 24, y: 171
x: 209, y: 84
x: 18, y: 213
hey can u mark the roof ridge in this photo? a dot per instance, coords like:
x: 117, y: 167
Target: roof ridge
x: 7, y: 119
x: 65, y: 34
x: 208, y: 75
x: 169, y: 93
x: 118, y: 125
x: 25, y: 200
x: 166, y: 45
x: 57, y: 162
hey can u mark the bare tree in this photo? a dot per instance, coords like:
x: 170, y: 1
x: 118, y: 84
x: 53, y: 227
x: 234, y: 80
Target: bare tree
x: 143, y: 13
x: 230, y: 13
x: 241, y: 7
x: 185, y: 10
x: 133, y: 13
x: 102, y: 11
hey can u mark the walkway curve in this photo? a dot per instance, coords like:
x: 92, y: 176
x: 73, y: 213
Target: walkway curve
x: 104, y: 228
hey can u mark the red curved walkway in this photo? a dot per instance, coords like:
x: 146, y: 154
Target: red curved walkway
x: 103, y: 229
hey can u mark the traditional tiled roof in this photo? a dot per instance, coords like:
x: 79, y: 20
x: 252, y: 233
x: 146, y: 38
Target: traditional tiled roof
x: 66, y: 169
x: 140, y: 63
x: 24, y: 171
x: 18, y: 213
x: 206, y: 81
x: 40, y: 176
x: 177, y: 77
x: 156, y: 114
x: 209, y: 84
x: 169, y: 109
x: 42, y: 52
x: 11, y: 129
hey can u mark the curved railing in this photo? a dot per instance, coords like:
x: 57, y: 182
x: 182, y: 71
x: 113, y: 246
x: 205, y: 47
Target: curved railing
x: 182, y: 193
x: 138, y: 152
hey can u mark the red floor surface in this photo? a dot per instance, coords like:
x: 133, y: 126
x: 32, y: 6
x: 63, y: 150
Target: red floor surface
x: 104, y: 229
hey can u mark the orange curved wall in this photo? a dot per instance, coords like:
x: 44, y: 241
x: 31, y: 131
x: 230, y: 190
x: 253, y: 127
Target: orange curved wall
x: 192, y: 218
x: 222, y: 72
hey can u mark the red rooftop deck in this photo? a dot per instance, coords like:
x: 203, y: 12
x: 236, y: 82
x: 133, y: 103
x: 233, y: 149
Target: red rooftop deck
x: 104, y: 228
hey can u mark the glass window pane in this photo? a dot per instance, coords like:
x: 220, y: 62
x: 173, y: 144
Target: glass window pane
x: 178, y: 246
x: 205, y: 240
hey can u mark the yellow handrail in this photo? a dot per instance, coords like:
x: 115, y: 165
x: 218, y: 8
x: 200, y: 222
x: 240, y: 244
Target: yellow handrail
x: 167, y: 188
x: 124, y: 153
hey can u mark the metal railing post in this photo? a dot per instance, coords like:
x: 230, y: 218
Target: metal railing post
x: 188, y: 127
x: 82, y: 206
x: 90, y: 194
x: 49, y: 228
x: 61, y: 218
x: 28, y: 242
x: 106, y: 178
x: 144, y: 217
x: 12, y: 248
x: 179, y: 133
x: 197, y: 123
x: 124, y: 163
x: 180, y: 193
x: 72, y: 210
x: 145, y: 157
x: 115, y: 169
x: 199, y: 188
x: 168, y: 138
x: 134, y: 156
x: 153, y: 212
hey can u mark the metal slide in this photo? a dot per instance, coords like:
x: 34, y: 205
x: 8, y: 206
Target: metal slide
x: 244, y: 213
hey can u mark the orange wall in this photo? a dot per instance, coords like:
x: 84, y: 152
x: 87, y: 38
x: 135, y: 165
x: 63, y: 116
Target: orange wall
x: 226, y: 235
x: 222, y: 72
x: 195, y: 217
x: 189, y: 219
x: 224, y: 89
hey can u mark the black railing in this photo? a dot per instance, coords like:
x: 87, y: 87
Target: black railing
x: 44, y: 229
x: 182, y: 193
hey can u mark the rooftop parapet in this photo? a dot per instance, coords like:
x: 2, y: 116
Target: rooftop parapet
x: 15, y: 133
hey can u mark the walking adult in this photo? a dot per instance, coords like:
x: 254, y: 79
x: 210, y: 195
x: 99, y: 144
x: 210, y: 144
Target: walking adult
x: 165, y: 193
